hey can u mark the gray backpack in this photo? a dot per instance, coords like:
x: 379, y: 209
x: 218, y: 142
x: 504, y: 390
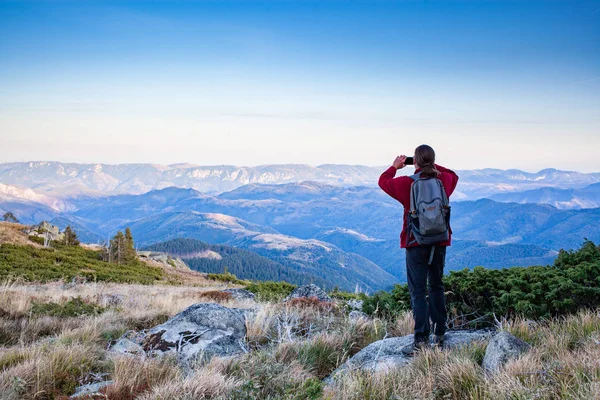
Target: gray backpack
x: 429, y: 220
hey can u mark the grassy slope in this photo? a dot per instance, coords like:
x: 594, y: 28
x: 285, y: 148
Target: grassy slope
x: 22, y: 258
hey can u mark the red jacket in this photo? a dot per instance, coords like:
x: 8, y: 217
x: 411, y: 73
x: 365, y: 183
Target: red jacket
x: 399, y: 189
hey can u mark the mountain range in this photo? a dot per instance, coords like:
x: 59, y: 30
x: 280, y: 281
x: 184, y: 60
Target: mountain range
x: 343, y: 234
x: 68, y: 180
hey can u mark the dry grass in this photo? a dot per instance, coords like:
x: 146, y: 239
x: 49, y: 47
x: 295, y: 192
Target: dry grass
x: 13, y: 233
x: 564, y: 363
x: 295, y: 345
x: 207, y: 383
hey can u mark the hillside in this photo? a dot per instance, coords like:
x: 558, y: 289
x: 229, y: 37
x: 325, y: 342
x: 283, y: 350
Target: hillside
x: 244, y: 264
x: 23, y: 257
x: 56, y: 339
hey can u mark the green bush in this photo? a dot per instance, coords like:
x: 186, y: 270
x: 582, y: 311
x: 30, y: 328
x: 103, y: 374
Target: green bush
x: 336, y: 293
x: 75, y: 307
x: 270, y: 291
x: 67, y: 262
x: 571, y: 284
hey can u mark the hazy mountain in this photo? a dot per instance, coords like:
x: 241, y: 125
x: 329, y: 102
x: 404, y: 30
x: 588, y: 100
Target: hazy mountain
x: 68, y: 180
x: 312, y: 257
x: 587, y: 197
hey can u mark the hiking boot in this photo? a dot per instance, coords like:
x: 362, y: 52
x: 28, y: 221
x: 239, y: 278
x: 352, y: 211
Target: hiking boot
x: 411, y: 349
x: 439, y: 340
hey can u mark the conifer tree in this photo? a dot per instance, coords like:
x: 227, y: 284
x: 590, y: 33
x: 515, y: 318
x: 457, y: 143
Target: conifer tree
x: 70, y: 237
x: 117, y: 248
x: 10, y: 217
x: 130, y: 253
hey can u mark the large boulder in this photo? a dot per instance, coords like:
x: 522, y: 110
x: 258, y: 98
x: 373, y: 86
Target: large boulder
x: 308, y: 291
x: 196, y: 334
x: 501, y: 348
x: 386, y: 354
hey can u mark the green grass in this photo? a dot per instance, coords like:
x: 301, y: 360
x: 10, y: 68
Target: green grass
x: 66, y: 262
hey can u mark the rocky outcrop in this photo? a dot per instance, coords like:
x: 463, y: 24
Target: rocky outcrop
x: 240, y: 294
x: 354, y: 304
x: 162, y: 258
x: 46, y: 230
x: 196, y: 334
x: 353, y: 315
x: 501, y: 348
x: 387, y: 353
x: 308, y: 291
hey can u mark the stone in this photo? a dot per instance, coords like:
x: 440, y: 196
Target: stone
x: 91, y: 389
x: 240, y: 294
x: 386, y: 354
x: 196, y: 334
x: 502, y: 348
x: 355, y: 304
x: 357, y: 315
x: 128, y: 347
x: 308, y: 291
x: 163, y: 258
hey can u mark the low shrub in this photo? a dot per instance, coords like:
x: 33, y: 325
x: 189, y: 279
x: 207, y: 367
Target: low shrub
x: 74, y: 307
x: 339, y: 294
x: 226, y: 277
x: 216, y: 295
x: 270, y: 290
x: 571, y: 284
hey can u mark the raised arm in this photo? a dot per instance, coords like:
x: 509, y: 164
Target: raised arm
x: 398, y: 188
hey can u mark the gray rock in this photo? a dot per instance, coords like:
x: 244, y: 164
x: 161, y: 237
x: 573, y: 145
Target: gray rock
x: 196, y: 334
x: 355, y: 304
x: 90, y: 390
x: 501, y: 348
x: 126, y: 346
x: 357, y: 315
x: 241, y: 294
x: 386, y: 354
x: 163, y: 258
x: 308, y: 291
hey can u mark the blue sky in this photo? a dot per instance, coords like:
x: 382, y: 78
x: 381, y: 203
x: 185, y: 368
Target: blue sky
x: 506, y: 84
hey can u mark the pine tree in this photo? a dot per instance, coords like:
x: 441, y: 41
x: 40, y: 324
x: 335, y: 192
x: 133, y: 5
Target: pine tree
x: 117, y: 248
x: 10, y: 217
x: 70, y: 237
x: 130, y: 253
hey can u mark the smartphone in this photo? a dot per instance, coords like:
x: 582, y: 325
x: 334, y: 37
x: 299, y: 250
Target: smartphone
x: 409, y: 161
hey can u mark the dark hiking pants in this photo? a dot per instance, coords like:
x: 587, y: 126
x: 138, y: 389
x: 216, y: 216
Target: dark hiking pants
x: 423, y: 308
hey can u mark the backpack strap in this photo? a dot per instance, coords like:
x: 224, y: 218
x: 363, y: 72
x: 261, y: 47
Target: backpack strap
x: 415, y: 176
x: 431, y: 254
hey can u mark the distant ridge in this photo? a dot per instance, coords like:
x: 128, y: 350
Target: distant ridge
x: 67, y: 180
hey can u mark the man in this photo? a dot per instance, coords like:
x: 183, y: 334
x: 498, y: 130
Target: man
x: 423, y: 262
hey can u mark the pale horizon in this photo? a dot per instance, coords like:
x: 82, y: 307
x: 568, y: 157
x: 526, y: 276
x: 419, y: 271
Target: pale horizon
x: 196, y: 165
